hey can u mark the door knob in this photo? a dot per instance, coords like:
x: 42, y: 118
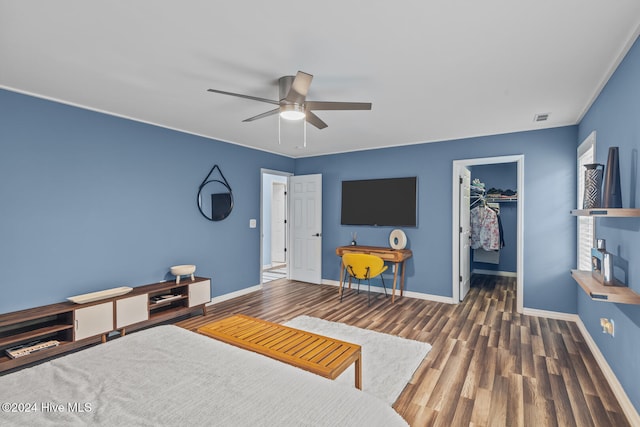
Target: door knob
x: 315, y: 235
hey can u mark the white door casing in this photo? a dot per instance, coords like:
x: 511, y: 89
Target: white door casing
x: 305, y: 228
x: 278, y: 217
x: 465, y: 231
x: 455, y: 235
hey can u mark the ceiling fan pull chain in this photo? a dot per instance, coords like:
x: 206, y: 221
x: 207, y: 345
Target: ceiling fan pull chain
x: 279, y: 137
x: 304, y: 123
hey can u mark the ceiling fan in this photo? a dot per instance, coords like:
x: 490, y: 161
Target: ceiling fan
x: 293, y: 104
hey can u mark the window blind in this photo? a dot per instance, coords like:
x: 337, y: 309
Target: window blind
x: 586, y: 226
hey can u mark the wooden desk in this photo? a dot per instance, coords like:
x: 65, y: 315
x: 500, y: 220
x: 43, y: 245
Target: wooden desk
x: 396, y: 256
x: 321, y: 355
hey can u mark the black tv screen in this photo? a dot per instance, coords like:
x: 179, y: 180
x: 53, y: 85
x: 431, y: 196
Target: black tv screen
x: 391, y: 201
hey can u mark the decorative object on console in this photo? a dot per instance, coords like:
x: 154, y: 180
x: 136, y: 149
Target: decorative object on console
x: 97, y: 296
x: 612, y: 197
x: 183, y: 270
x: 221, y: 203
x: 353, y: 239
x: 161, y: 299
x: 592, y: 186
x: 32, y: 347
x: 602, y: 263
x: 397, y: 239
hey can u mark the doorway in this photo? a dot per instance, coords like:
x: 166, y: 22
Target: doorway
x: 461, y: 255
x: 273, y: 223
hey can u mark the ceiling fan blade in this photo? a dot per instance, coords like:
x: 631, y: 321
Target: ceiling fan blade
x: 320, y: 105
x: 255, y: 98
x: 260, y: 116
x: 299, y: 88
x: 315, y: 120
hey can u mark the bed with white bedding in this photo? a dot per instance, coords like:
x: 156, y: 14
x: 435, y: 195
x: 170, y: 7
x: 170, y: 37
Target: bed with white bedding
x: 173, y: 377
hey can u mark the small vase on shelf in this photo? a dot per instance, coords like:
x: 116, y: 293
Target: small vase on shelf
x: 612, y: 197
x: 592, y: 186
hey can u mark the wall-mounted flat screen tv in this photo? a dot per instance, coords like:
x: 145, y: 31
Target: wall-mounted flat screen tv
x: 391, y: 201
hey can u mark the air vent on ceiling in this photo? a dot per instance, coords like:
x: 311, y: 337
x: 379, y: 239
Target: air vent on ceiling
x: 541, y: 117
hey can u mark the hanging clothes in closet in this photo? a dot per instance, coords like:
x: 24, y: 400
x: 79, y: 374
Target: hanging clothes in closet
x: 485, y: 228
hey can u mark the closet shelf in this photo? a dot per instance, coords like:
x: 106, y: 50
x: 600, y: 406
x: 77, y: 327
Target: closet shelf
x: 501, y: 199
x: 611, y: 212
x: 599, y: 292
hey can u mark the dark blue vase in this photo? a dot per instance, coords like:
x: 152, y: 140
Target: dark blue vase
x: 612, y: 195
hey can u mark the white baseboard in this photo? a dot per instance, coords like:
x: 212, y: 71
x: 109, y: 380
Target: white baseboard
x: 409, y: 294
x: 234, y: 294
x: 494, y: 272
x: 621, y: 395
x: 550, y: 314
x: 429, y: 297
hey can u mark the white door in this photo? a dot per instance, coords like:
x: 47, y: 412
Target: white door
x: 305, y: 228
x: 465, y: 231
x: 278, y: 218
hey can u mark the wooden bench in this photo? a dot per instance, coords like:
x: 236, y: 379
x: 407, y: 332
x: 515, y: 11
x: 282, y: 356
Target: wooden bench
x: 321, y: 355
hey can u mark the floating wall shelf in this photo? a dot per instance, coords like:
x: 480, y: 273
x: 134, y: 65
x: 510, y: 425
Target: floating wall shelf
x: 599, y: 292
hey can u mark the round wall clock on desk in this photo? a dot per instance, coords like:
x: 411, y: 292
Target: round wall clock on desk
x: 397, y: 239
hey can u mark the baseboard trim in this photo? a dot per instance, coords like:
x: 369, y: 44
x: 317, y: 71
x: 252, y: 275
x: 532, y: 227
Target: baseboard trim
x: 409, y: 294
x: 235, y: 294
x: 627, y: 407
x: 494, y: 272
x: 550, y: 314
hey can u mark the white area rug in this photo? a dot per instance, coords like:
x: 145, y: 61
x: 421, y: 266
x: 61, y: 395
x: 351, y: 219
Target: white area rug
x: 388, y: 362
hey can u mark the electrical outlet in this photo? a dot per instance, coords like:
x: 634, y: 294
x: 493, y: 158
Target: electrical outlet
x: 608, y: 326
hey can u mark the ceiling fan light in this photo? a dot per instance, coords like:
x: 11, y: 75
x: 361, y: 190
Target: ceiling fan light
x: 292, y: 112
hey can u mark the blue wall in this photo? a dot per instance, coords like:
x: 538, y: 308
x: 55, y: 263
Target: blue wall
x: 502, y: 176
x: 91, y: 201
x: 549, y: 231
x: 615, y: 116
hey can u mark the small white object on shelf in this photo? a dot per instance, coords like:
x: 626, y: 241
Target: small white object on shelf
x: 164, y: 298
x: 183, y: 270
x: 96, y: 296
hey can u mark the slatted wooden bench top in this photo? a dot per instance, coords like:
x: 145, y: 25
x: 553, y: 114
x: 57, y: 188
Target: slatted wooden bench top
x: 321, y: 355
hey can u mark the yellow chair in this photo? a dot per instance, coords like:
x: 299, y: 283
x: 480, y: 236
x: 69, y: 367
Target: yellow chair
x: 363, y: 267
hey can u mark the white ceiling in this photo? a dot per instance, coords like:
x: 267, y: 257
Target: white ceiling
x: 434, y: 70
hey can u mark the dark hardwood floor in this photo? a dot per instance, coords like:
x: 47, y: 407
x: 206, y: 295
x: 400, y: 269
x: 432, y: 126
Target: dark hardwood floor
x: 489, y: 365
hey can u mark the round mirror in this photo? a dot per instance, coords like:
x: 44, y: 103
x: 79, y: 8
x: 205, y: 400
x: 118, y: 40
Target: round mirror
x: 215, y: 200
